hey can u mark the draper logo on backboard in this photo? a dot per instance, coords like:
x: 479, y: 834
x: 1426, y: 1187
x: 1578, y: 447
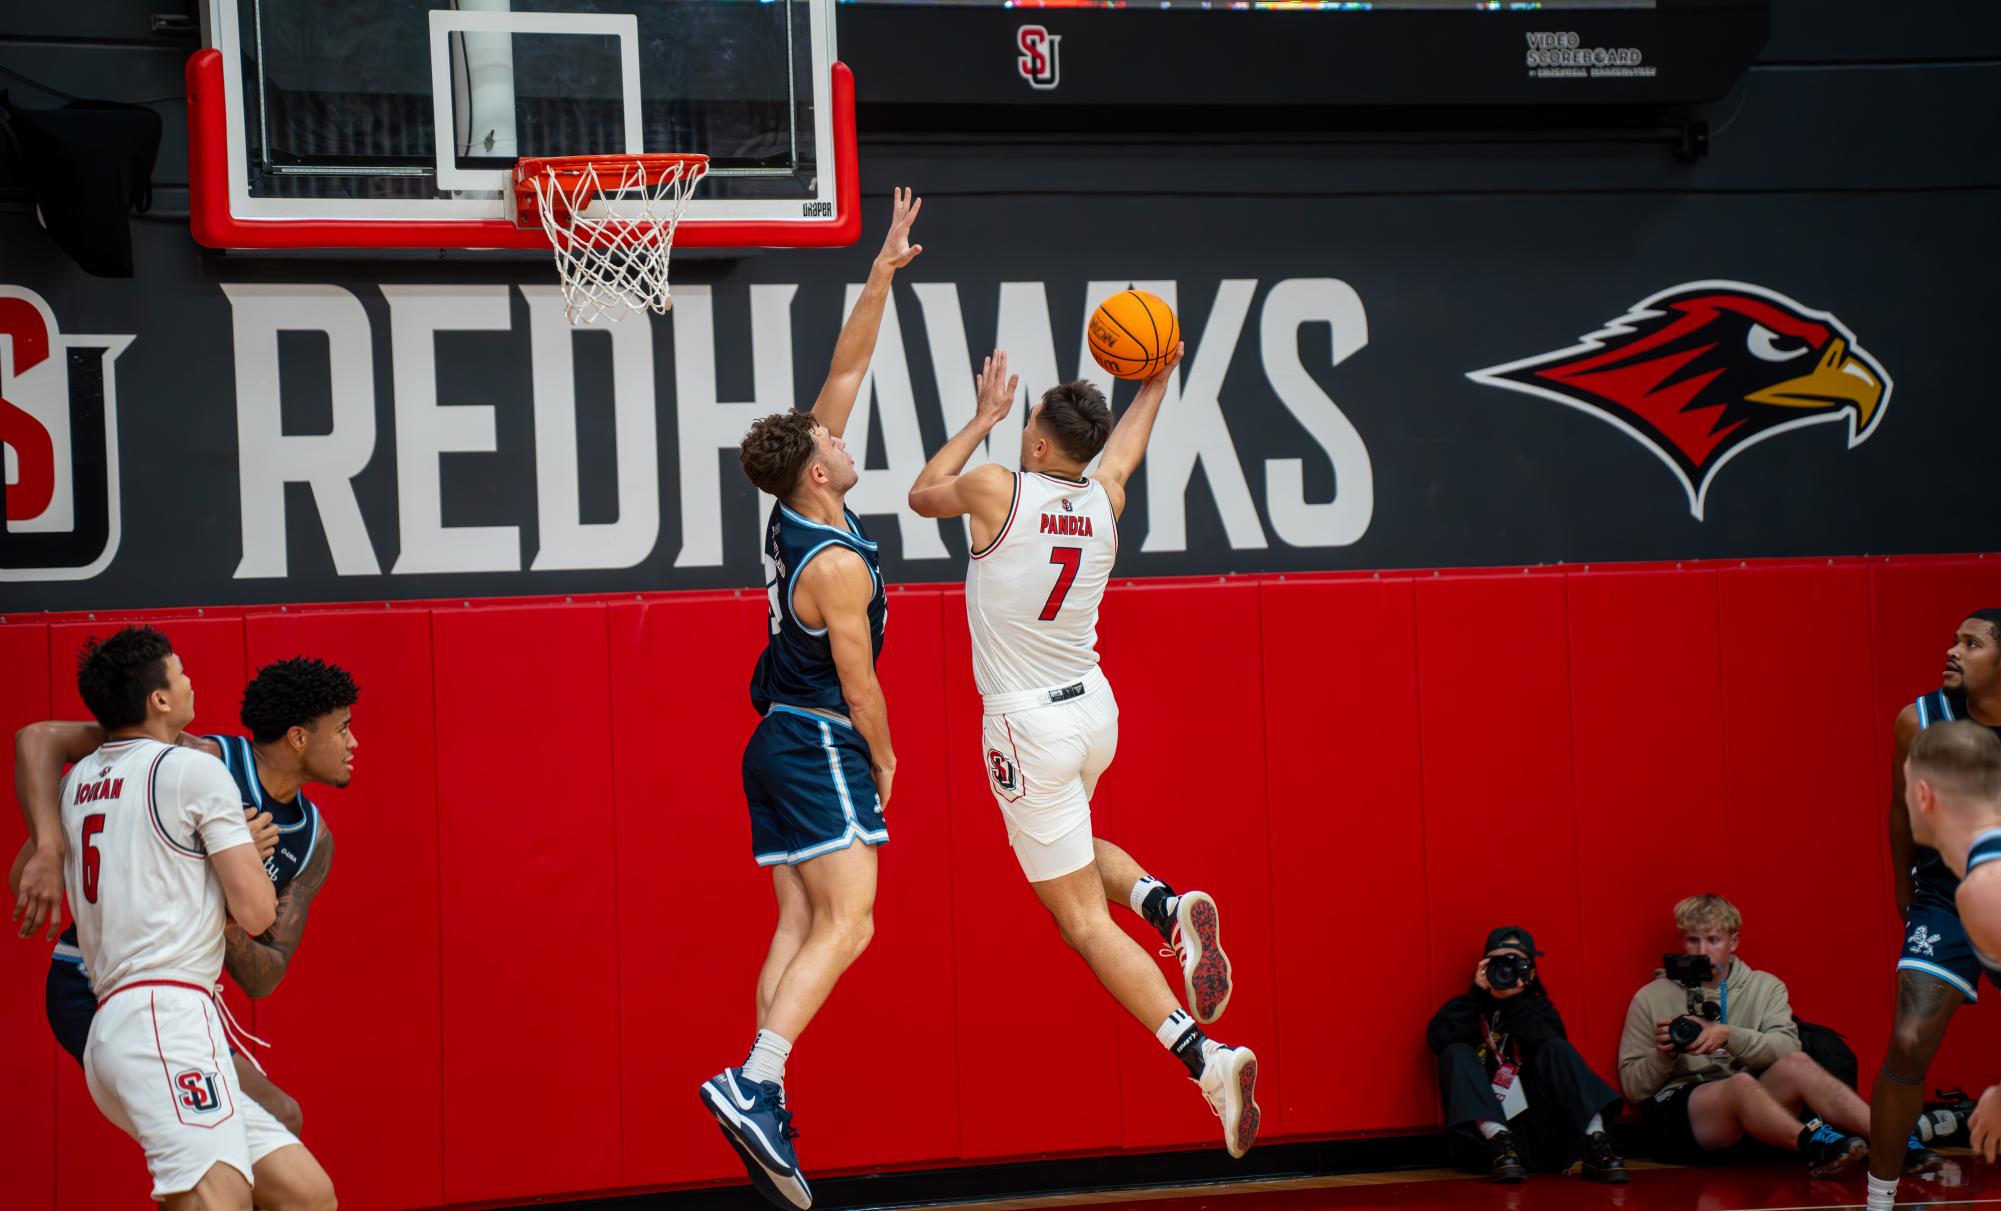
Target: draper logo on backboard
x: 1700, y: 372
x: 59, y: 439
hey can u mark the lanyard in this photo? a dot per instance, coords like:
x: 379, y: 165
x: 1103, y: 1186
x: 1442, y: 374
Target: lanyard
x: 1495, y: 1043
x: 1723, y: 991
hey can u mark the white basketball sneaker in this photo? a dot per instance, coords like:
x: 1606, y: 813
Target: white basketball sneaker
x: 1230, y: 1082
x: 1197, y: 942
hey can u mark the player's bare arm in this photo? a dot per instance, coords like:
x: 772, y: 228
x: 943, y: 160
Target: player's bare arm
x: 945, y: 488
x: 834, y: 591
x: 1127, y: 445
x: 857, y: 341
x: 1903, y: 847
x: 259, y: 963
x: 246, y: 888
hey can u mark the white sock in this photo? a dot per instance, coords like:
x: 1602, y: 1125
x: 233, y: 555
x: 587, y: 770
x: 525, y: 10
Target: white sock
x: 1882, y: 1193
x: 1596, y: 1125
x: 767, y: 1058
x: 1173, y: 1028
x: 1489, y: 1129
x: 1140, y: 891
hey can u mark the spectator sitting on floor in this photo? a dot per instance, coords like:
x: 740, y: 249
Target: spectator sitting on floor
x: 1743, y: 1074
x: 1505, y: 1034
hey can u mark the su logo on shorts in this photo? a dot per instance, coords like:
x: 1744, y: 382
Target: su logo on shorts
x: 1003, y: 771
x: 59, y: 430
x: 1037, y: 61
x: 196, y: 1091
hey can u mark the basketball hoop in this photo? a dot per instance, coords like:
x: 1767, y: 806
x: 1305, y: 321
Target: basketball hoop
x: 611, y: 221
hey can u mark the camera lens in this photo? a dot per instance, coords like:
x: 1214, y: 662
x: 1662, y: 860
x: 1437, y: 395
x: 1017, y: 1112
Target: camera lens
x: 1684, y: 1032
x: 1504, y: 972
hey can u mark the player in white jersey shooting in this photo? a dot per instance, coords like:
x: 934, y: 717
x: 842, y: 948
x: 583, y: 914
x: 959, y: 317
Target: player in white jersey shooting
x: 159, y: 857
x: 1043, y: 542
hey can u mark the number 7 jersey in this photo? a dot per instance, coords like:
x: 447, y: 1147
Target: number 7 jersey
x: 1032, y: 594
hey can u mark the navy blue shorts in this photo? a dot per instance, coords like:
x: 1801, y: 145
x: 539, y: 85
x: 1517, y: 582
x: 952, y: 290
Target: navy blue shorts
x: 71, y: 1005
x: 1935, y: 943
x: 810, y: 790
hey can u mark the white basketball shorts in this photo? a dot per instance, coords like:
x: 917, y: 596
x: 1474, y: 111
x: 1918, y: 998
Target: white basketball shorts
x: 158, y: 1066
x: 1045, y: 750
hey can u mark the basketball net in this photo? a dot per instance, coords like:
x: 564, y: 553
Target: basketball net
x: 611, y: 221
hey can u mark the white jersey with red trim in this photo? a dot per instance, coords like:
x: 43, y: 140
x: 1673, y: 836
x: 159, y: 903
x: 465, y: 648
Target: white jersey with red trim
x: 141, y: 818
x: 1032, y: 595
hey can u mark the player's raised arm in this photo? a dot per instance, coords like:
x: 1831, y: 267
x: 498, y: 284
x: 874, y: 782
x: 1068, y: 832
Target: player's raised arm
x: 857, y: 342
x: 840, y: 586
x: 941, y: 490
x: 1127, y: 445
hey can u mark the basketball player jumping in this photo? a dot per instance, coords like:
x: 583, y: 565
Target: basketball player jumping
x: 1043, y: 543
x: 818, y: 769
x: 298, y: 713
x: 159, y: 858
x: 1938, y: 970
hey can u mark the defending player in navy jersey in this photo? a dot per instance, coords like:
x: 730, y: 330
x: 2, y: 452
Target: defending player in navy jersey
x: 1952, y: 784
x: 1044, y: 539
x: 818, y: 770
x: 1938, y: 970
x: 298, y: 715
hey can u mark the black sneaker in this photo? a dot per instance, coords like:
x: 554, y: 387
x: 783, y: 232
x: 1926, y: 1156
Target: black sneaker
x: 1505, y: 1164
x: 1831, y: 1151
x: 1601, y: 1161
x: 1920, y: 1161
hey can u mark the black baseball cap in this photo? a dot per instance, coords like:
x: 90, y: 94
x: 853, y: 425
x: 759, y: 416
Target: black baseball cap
x: 1514, y: 937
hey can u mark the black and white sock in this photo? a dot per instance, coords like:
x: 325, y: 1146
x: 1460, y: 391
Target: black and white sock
x: 767, y: 1059
x: 1185, y: 1039
x: 1156, y: 902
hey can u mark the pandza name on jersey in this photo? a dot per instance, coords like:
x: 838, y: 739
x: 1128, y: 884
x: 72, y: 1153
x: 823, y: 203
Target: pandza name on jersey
x: 1066, y: 523
x: 105, y: 788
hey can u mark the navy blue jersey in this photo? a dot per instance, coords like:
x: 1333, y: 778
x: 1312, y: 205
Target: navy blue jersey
x: 797, y: 667
x: 1927, y: 868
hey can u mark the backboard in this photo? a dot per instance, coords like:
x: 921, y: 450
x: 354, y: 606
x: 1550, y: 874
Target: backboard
x: 396, y: 123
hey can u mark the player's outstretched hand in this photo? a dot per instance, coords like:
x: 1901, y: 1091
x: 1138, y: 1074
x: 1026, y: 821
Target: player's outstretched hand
x: 996, y: 389
x: 1161, y: 376
x: 897, y: 250
x: 39, y: 898
x: 263, y: 831
x: 1986, y: 1124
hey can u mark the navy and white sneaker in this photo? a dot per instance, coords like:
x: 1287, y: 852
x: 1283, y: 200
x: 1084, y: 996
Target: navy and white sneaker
x: 754, y: 1117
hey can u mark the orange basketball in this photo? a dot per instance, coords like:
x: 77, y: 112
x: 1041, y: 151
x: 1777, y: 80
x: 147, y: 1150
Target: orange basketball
x: 1131, y: 332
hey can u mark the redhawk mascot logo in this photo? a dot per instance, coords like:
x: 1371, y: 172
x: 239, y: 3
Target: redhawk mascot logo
x: 1702, y: 371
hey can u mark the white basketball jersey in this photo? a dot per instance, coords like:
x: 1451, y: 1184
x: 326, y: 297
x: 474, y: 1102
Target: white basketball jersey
x: 1032, y: 595
x: 142, y: 818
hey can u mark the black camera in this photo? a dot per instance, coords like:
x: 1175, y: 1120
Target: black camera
x: 1691, y: 972
x: 1506, y: 971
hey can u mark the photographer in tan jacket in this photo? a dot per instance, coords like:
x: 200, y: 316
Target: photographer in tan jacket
x: 1717, y: 1057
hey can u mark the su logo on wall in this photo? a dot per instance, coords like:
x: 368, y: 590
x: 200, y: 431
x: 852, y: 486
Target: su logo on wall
x: 1703, y: 371
x: 59, y: 427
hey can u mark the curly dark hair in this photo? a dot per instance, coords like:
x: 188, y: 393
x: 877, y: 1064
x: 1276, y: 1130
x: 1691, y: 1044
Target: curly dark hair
x: 116, y: 675
x: 776, y: 450
x: 1077, y: 415
x: 292, y: 693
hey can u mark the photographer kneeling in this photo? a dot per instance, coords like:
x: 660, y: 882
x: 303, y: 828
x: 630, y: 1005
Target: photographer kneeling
x: 1504, y: 1066
x: 1711, y: 1054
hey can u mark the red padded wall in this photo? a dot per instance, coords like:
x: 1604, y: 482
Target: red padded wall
x: 528, y: 887
x: 1646, y: 700
x: 1499, y: 817
x: 1345, y: 790
x: 363, y: 992
x: 29, y: 1060
x: 545, y: 925
x: 1186, y: 798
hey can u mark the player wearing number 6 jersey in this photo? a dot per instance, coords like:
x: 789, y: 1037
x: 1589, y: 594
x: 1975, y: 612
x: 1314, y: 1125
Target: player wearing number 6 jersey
x: 1043, y: 542
x: 159, y: 856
